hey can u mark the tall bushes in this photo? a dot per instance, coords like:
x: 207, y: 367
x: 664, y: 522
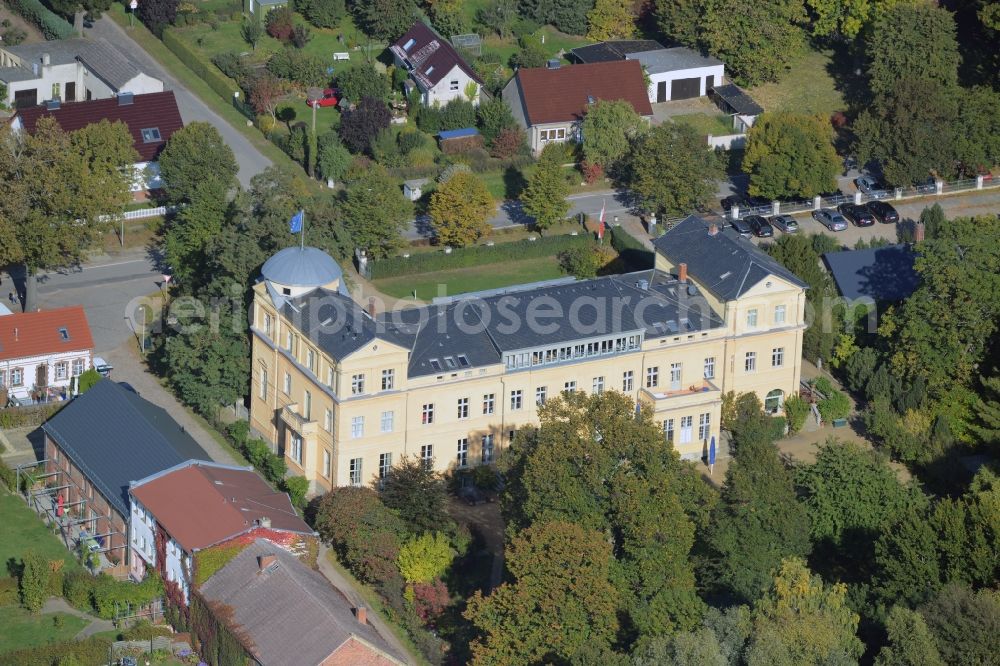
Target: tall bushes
x: 223, y: 86
x: 52, y: 25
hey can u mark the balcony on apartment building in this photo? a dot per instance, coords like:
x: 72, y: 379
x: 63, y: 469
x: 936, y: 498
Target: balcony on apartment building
x: 662, y: 399
x: 291, y: 416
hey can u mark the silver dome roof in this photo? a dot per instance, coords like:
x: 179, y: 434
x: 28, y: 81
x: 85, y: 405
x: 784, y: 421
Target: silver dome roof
x: 301, y: 267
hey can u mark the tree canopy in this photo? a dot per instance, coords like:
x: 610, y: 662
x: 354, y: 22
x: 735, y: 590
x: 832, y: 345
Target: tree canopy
x: 195, y: 160
x: 609, y: 130
x: 672, y: 171
x: 375, y: 212
x: 790, y: 155
x: 756, y: 40
x: 544, y: 198
x: 460, y: 209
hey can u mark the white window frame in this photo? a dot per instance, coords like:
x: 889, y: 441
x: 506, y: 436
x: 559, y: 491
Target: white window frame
x: 384, y: 464
x: 463, y: 452
x: 427, y: 414
x: 653, y: 376
x: 388, y: 379
x: 516, y: 399
x: 541, y: 394
x: 262, y: 388
x: 686, y: 430
x: 598, y: 385
x: 569, y: 387
x: 780, y: 312
x: 709, y: 371
x: 487, y: 448
x: 77, y: 367
x: 355, y: 470
x: 752, y: 318
x: 327, y: 420
x: 750, y: 362
x: 295, y: 447
x: 463, y: 408
x: 62, y: 370
x: 668, y: 431
x: 704, y: 426
x: 327, y: 463
x: 489, y: 403
x: 778, y: 357
x: 427, y: 455
x: 358, y: 384
x: 387, y: 422
x: 357, y: 427
x: 676, y: 376
x: 628, y: 381
x: 288, y: 384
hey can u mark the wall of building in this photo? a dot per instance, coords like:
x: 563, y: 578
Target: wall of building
x: 56, y: 377
x: 693, y: 398
x: 103, y: 518
x: 142, y: 84
x: 450, y: 87
x: 703, y: 73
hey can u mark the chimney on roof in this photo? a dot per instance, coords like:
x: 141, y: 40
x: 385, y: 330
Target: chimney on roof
x: 918, y: 233
x: 46, y: 61
x: 371, y: 307
x: 265, y: 521
x: 682, y: 273
x: 713, y: 229
x: 552, y: 64
x: 362, y: 614
x: 264, y: 561
x: 15, y: 334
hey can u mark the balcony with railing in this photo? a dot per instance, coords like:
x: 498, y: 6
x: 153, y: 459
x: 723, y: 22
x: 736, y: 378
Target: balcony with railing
x: 662, y: 399
x: 296, y: 421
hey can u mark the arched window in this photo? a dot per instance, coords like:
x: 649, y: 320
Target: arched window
x: 774, y: 400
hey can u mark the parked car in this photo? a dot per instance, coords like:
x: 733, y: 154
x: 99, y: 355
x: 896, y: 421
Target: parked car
x: 830, y: 219
x: 330, y: 98
x: 859, y: 215
x: 871, y: 187
x: 760, y: 227
x: 883, y: 212
x: 103, y: 367
x: 742, y: 228
x: 785, y: 223
x: 745, y: 202
x: 928, y: 186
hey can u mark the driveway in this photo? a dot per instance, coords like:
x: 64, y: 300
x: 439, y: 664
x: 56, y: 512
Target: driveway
x: 192, y: 108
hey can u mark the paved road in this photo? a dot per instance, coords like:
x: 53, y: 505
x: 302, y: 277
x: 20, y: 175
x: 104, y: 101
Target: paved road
x: 192, y: 108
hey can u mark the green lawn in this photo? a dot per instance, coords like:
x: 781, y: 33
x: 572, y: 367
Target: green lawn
x: 21, y: 629
x: 808, y: 87
x: 473, y: 278
x: 715, y: 124
x: 21, y: 529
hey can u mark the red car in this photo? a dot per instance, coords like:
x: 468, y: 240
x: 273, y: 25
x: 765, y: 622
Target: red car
x: 329, y: 98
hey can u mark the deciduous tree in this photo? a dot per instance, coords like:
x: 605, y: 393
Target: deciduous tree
x: 757, y: 41
x: 252, y: 31
x: 791, y: 155
x: 560, y: 598
x: 158, y: 14
x: 361, y: 81
x: 197, y: 160
x: 266, y: 92
x: 915, y: 42
x: 610, y: 19
x: 460, y: 209
x: 424, y: 558
x: 375, y: 212
x: 544, y: 198
x: 845, y: 18
x: 610, y: 129
x: 672, y: 171
x: 362, y: 531
x: 322, y: 13
x: 802, y: 621
x: 965, y: 624
x: 361, y: 125
x: 417, y: 493
x: 383, y: 20
x: 494, y: 116
x: 911, y: 643
x: 680, y: 20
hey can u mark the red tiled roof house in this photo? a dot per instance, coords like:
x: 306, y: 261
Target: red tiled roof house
x: 41, y: 352
x: 151, y: 119
x: 550, y: 103
x: 197, y: 505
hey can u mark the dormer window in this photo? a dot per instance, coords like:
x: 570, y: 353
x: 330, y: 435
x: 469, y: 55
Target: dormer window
x: 151, y: 135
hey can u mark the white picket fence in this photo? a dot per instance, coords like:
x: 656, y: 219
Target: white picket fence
x: 141, y: 213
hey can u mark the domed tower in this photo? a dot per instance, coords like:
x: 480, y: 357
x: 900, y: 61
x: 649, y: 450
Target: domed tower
x: 298, y: 270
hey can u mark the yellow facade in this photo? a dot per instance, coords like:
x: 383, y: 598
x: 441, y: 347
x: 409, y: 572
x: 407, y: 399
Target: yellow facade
x: 341, y: 421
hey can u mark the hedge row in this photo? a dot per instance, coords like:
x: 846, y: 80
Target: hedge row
x: 479, y: 162
x: 51, y: 24
x: 216, y: 80
x: 477, y: 255
x: 93, y: 650
x: 30, y: 416
x: 635, y: 255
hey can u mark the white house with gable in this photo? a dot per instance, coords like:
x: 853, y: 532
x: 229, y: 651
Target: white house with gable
x: 435, y: 67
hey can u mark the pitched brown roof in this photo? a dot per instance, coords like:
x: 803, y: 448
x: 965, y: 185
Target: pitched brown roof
x: 562, y: 94
x: 201, y: 504
x: 289, y: 615
x: 430, y: 55
x: 36, y: 333
x: 151, y: 111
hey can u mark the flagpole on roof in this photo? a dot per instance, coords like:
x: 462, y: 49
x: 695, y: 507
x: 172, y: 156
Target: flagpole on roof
x: 302, y: 234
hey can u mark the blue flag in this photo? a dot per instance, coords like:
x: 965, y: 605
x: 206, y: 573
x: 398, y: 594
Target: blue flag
x: 296, y: 222
x: 711, y: 452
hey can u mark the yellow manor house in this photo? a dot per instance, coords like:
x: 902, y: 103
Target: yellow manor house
x: 344, y: 391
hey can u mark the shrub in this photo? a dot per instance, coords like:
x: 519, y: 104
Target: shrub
x: 93, y: 650
x: 233, y: 65
x: 48, y: 22
x: 364, y: 533
x: 530, y: 53
x: 9, y: 592
x: 430, y: 599
x: 360, y: 81
x: 509, y: 142
x: 322, y: 13
x: 424, y: 558
x: 479, y: 255
x: 836, y: 405
x: 14, y: 36
x: 591, y: 172
x: 301, y: 36
x: 294, y: 143
x: 333, y: 158
x: 796, y: 412
x: 144, y: 631
x: 359, y: 126
x: 631, y: 251
x: 280, y: 23
x: 109, y: 594
x: 223, y: 86
x: 823, y: 385
x: 585, y: 261
x: 298, y: 67
x: 77, y: 589
x: 296, y: 487
x: 34, y: 583
x: 7, y: 476
x: 463, y: 145
x: 410, y: 139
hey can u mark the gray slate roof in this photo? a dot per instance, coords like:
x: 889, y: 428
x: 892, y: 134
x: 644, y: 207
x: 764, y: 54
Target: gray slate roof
x: 104, y: 60
x: 289, y: 615
x: 737, y: 100
x: 726, y: 264
x: 672, y: 60
x: 884, y: 274
x: 301, y: 267
x: 613, y: 50
x: 115, y: 437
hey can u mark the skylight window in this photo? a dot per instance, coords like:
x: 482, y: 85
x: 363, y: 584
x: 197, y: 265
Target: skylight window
x: 429, y: 70
x: 409, y: 44
x: 450, y: 361
x: 63, y: 334
x: 436, y: 364
x: 463, y: 360
x: 151, y: 135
